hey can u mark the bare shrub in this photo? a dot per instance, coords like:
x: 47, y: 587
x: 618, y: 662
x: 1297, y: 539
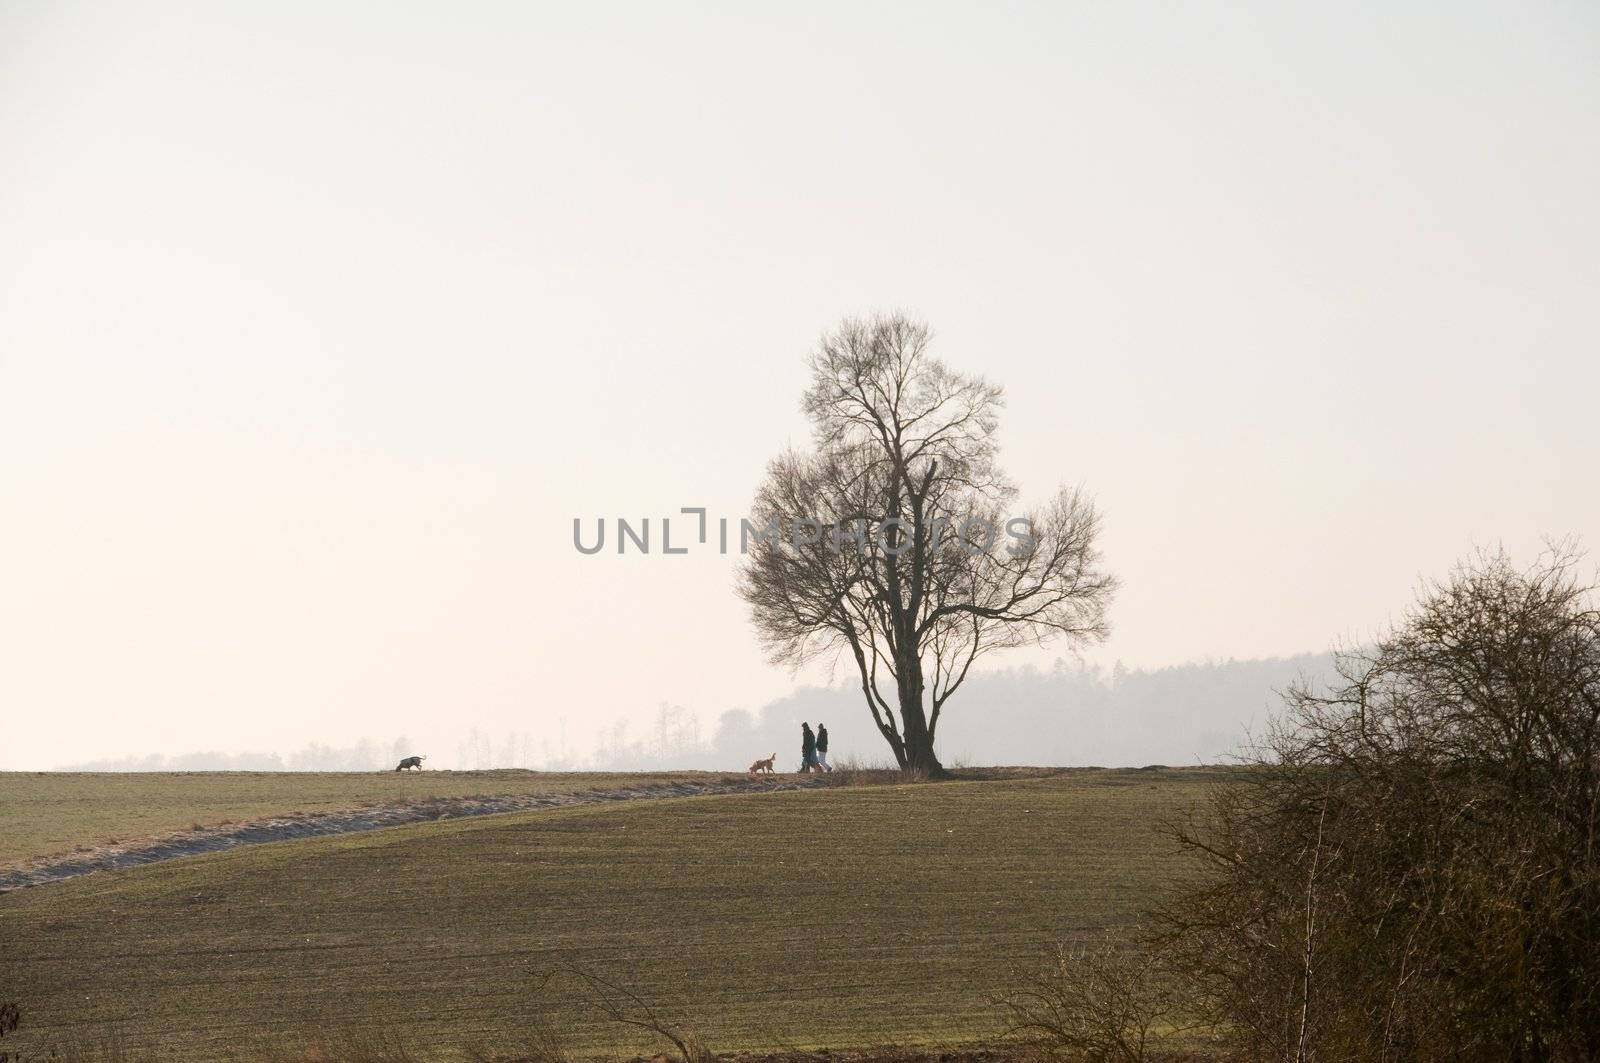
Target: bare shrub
x: 10, y: 1019
x: 107, y: 1045
x: 540, y: 1042
x: 851, y: 771
x: 1099, y: 1004
x: 626, y: 1007
x: 1411, y: 869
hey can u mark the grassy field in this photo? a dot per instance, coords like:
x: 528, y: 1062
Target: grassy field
x: 833, y: 917
x: 50, y: 813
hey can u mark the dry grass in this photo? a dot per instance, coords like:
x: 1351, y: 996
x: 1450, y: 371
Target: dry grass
x: 52, y: 813
x: 830, y: 917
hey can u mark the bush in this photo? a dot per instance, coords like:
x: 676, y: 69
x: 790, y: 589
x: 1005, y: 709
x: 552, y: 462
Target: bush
x: 541, y: 1042
x: 626, y: 1007
x: 1100, y: 1004
x: 1411, y: 871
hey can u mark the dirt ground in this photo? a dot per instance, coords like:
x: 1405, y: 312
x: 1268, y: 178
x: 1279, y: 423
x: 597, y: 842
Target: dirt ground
x: 193, y: 842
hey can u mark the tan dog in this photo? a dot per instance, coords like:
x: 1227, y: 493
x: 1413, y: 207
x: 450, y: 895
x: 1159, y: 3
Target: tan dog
x: 763, y: 765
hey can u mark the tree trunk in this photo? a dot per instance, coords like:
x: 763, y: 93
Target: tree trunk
x: 919, y: 756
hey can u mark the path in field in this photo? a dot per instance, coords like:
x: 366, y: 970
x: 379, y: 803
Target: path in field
x: 316, y: 824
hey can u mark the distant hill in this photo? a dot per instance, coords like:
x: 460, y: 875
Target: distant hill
x: 1187, y: 714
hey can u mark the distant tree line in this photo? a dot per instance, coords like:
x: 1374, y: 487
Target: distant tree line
x: 364, y: 755
x: 1065, y: 714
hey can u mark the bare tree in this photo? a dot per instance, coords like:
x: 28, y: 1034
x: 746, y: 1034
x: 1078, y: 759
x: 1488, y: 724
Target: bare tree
x: 894, y: 538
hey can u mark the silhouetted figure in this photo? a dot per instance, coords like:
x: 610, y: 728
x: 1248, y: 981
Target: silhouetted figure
x: 808, y: 748
x: 822, y: 748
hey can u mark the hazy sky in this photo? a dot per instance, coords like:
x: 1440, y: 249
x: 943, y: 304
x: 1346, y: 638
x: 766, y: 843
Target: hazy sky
x: 320, y: 322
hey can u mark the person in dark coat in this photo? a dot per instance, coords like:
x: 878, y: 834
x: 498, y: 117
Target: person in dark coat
x: 822, y: 748
x: 808, y: 748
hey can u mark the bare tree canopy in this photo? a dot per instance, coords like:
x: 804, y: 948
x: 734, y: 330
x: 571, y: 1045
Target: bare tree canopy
x: 895, y: 538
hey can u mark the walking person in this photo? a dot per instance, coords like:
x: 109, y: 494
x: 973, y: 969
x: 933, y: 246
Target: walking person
x: 822, y: 748
x: 808, y: 748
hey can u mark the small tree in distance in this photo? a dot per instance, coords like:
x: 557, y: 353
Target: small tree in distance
x: 895, y: 539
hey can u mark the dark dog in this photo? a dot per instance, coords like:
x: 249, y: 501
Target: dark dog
x: 411, y: 762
